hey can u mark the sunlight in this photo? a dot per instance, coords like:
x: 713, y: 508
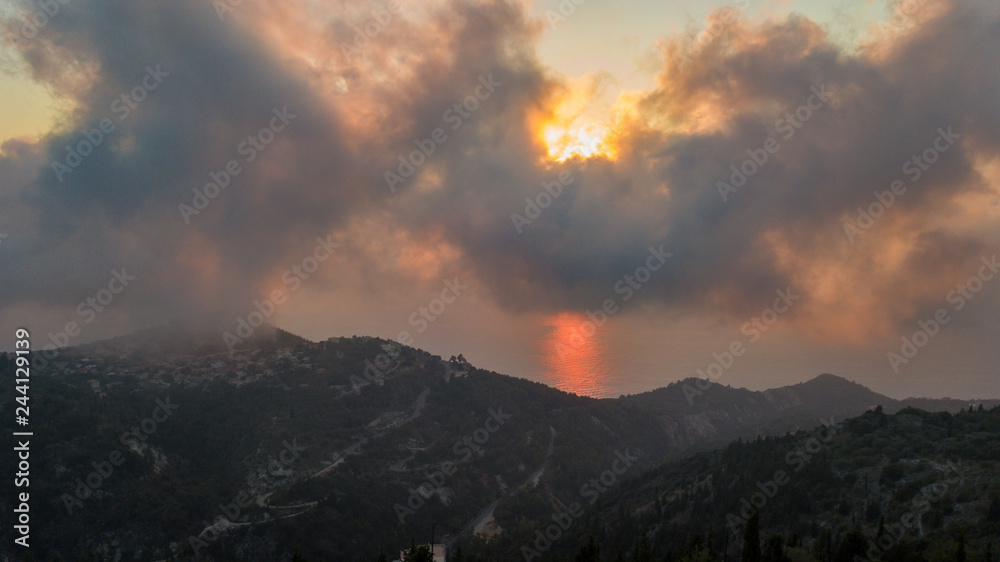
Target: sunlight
x: 564, y: 143
x: 575, y: 357
x: 579, y: 123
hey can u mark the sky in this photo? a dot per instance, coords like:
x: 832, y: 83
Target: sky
x: 602, y: 195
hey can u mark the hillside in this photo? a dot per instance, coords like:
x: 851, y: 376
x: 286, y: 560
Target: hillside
x: 162, y: 444
x: 914, y: 486
x: 697, y: 414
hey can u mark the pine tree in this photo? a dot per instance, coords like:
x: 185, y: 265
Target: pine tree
x: 418, y: 553
x: 424, y: 554
x: 872, y: 510
x: 822, y: 547
x: 774, y: 550
x: 643, y: 552
x: 993, y: 513
x: 854, y: 544
x: 590, y: 552
x: 751, y: 540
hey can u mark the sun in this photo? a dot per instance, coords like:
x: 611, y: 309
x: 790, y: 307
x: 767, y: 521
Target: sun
x: 578, y: 120
x: 565, y: 142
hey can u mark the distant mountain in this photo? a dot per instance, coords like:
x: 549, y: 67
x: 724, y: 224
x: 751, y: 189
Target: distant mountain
x: 341, y: 446
x: 697, y: 413
x: 847, y: 395
x: 196, y: 336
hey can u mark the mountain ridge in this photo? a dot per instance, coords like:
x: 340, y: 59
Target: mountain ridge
x: 270, y: 334
x: 377, y: 421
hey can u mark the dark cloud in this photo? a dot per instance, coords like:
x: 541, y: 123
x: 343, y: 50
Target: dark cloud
x: 356, y: 113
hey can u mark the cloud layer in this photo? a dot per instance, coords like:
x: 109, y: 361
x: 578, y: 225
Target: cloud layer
x: 369, y: 85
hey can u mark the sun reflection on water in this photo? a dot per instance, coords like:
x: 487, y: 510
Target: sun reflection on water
x: 576, y: 358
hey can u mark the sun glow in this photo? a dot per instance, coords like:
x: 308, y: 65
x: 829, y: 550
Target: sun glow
x: 575, y: 355
x: 578, y: 123
x: 564, y: 143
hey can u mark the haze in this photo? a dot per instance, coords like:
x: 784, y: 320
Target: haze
x: 605, y: 196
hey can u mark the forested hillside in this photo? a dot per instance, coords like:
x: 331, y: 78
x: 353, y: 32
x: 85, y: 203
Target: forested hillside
x: 166, y: 445
x: 914, y: 487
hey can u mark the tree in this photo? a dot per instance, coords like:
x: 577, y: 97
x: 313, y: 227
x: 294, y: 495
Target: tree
x: 297, y: 556
x: 418, y: 553
x: 381, y: 556
x: 423, y: 555
x: 854, y: 544
x: 643, y: 552
x: 993, y: 513
x: 751, y: 540
x: 774, y: 550
x: 960, y: 553
x: 872, y: 510
x: 590, y: 552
